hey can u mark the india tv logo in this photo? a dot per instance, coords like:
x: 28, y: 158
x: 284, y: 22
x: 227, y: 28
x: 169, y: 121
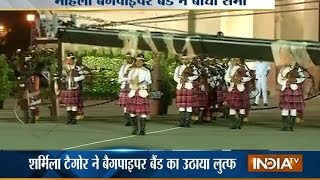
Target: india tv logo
x: 275, y: 163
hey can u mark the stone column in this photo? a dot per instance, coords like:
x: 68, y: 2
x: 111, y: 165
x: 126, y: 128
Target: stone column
x: 277, y: 26
x: 192, y: 22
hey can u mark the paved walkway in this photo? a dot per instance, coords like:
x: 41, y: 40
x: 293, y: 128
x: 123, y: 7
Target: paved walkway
x: 103, y: 128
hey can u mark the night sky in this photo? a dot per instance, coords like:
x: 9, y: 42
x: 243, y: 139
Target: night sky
x: 19, y: 37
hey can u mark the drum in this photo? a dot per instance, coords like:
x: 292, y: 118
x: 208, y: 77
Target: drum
x: 253, y: 93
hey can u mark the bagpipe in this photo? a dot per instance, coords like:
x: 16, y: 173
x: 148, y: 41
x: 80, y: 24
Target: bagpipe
x: 251, y: 84
x: 293, y: 74
x: 202, y: 67
x: 67, y: 81
x: 215, y: 72
x: 133, y: 66
x: 187, y: 72
x: 29, y: 84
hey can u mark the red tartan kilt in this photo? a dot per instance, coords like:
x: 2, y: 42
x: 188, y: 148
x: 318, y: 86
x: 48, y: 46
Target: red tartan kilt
x: 80, y: 106
x: 221, y: 95
x: 213, y: 96
x: 185, y: 98
x: 238, y: 100
x: 138, y: 105
x: 201, y: 99
x: 123, y: 97
x: 70, y: 97
x: 217, y: 96
x: 290, y: 99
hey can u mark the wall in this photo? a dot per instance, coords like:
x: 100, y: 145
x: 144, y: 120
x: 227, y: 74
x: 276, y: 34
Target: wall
x: 233, y: 25
x: 206, y: 25
x: 302, y: 25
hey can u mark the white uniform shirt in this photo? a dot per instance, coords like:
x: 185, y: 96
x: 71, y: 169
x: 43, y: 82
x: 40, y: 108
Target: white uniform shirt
x: 73, y: 83
x: 282, y: 80
x: 231, y: 73
x: 177, y: 77
x: 144, y: 77
x: 261, y: 69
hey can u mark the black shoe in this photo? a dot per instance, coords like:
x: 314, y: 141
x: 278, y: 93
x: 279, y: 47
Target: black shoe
x: 255, y: 104
x: 128, y: 124
x: 284, y: 123
x: 74, y: 118
x: 128, y: 120
x: 234, y: 122
x: 26, y: 117
x: 196, y: 122
x: 32, y: 118
x: 188, y: 119
x: 182, y: 115
x: 265, y: 104
x: 292, y: 122
x: 201, y: 114
x: 240, y: 121
x: 69, y: 120
x: 134, y: 123
x: 142, y: 127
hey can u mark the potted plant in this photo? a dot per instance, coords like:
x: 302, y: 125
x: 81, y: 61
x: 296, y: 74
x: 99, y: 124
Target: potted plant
x: 163, y: 97
x: 5, y: 84
x: 167, y: 84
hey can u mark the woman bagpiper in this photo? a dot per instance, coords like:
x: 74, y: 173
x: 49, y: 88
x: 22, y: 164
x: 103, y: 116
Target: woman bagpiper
x: 138, y: 98
x: 124, y: 86
x: 238, y: 99
x: 185, y: 75
x: 70, y: 95
x: 291, y: 95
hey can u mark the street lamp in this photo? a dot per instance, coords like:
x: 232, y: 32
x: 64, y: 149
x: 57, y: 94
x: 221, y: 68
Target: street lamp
x: 31, y: 19
x: 3, y: 31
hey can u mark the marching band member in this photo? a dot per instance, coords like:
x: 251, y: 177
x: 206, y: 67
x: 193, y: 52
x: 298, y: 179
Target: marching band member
x: 216, y: 87
x: 201, y: 89
x: 238, y: 99
x: 249, y: 84
x: 138, y: 103
x: 70, y: 96
x: 123, y: 80
x: 222, y: 93
x: 291, y: 97
x: 185, y: 75
x: 81, y: 69
x: 30, y: 92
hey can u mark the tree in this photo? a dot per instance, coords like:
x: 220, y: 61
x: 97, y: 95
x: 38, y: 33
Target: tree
x: 5, y: 85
